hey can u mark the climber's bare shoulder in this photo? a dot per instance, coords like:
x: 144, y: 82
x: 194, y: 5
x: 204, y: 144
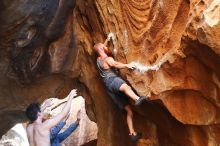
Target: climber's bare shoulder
x: 109, y: 61
x: 38, y: 135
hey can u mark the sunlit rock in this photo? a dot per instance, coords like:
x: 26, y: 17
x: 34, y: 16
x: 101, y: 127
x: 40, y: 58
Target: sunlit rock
x: 178, y: 41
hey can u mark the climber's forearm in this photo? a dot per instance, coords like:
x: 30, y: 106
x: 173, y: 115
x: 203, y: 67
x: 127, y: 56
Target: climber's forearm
x: 120, y: 65
x: 106, y: 42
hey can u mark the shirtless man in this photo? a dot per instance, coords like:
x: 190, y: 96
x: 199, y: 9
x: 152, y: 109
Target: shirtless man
x: 38, y: 131
x: 117, y: 88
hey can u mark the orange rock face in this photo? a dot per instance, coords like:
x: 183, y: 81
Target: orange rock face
x: 180, y: 37
x: 185, y: 89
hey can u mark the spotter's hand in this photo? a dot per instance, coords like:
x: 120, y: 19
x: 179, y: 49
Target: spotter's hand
x: 73, y: 93
x: 48, y: 102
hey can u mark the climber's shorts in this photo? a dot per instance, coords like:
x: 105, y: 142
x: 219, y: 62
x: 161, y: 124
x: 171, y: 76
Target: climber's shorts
x: 113, y: 85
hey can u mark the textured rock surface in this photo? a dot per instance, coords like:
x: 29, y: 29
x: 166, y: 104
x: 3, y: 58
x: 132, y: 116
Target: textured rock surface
x: 187, y: 83
x: 27, y: 75
x: 43, y: 60
x: 208, y: 31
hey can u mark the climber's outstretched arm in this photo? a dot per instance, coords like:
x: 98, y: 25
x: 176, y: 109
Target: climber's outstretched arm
x: 106, y: 42
x: 112, y: 63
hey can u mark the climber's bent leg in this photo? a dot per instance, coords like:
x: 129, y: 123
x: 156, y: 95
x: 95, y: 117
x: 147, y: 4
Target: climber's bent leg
x: 128, y: 91
x: 116, y: 85
x: 130, y: 120
x: 134, y: 135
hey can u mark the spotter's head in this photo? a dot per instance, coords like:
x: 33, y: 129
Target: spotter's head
x: 33, y: 112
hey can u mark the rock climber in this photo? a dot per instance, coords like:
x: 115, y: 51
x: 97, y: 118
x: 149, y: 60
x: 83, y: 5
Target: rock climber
x: 117, y: 88
x: 38, y: 131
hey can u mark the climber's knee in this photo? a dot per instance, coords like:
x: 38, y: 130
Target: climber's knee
x: 124, y: 87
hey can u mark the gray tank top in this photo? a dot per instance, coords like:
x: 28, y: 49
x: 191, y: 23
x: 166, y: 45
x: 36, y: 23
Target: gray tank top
x: 105, y: 73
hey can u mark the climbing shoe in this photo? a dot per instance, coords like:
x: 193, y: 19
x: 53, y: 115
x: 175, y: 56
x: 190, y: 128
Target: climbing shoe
x: 141, y: 100
x: 136, y: 137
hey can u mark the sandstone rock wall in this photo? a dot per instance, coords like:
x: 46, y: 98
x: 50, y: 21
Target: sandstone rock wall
x: 185, y: 88
x: 181, y: 34
x: 27, y: 29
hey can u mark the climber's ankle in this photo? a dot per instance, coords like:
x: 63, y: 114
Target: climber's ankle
x: 135, y: 136
x: 140, y: 101
x: 132, y: 133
